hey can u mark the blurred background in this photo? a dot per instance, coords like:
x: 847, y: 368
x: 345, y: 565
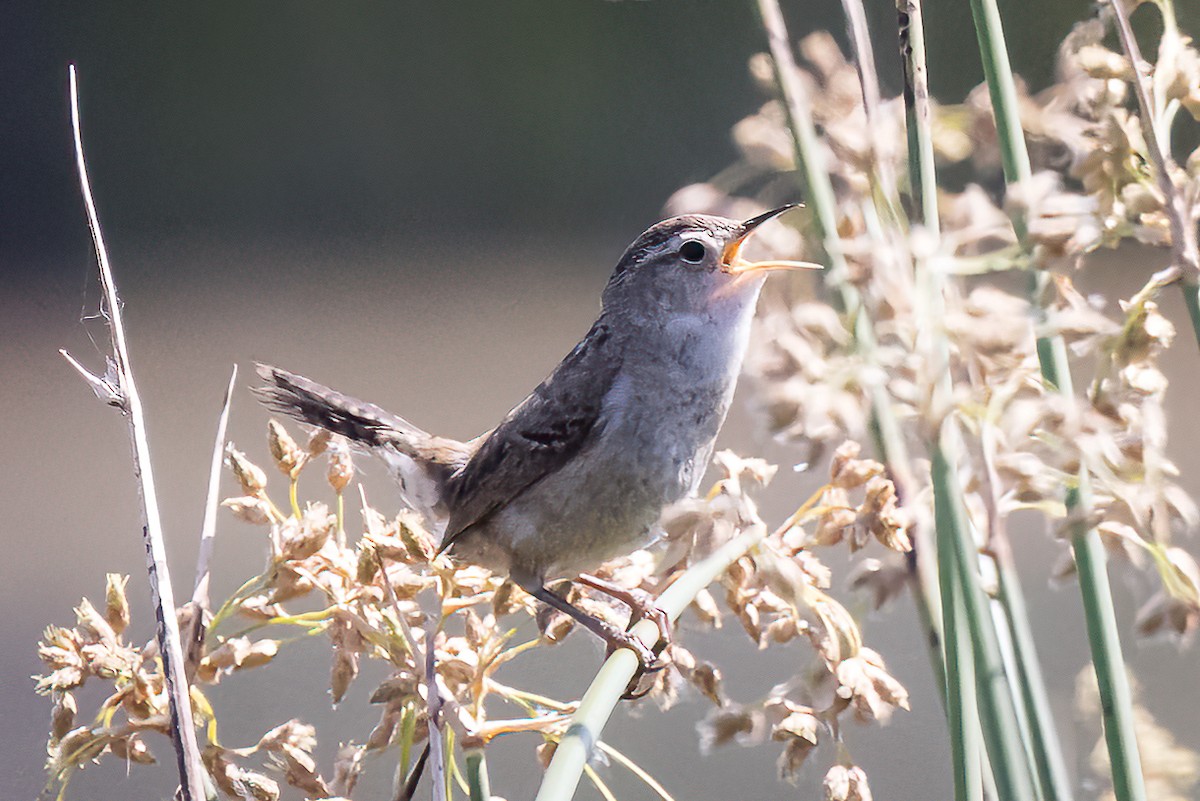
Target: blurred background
x: 419, y: 204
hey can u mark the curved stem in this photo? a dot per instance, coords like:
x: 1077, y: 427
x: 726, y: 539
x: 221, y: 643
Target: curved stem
x: 575, y: 746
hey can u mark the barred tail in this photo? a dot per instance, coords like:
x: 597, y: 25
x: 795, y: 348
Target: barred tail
x: 316, y: 404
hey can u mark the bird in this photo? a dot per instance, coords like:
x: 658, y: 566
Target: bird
x: 580, y: 471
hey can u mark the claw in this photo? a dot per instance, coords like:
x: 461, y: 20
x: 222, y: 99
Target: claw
x: 650, y: 662
x: 641, y: 603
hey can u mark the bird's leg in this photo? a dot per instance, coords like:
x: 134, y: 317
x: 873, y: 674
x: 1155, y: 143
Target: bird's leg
x: 615, y: 637
x: 641, y: 605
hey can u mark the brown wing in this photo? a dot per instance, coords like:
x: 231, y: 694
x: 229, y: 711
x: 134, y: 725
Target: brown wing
x: 537, y: 438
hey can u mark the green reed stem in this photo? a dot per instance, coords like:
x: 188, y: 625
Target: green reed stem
x: 1042, y: 739
x: 480, y: 786
x: 1044, y: 743
x: 962, y: 711
x: 1103, y: 638
x: 1005, y: 748
x: 582, y: 735
x: 889, y: 438
x: 1116, y: 698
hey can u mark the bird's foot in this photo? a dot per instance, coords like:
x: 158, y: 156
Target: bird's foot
x: 649, y: 659
x: 650, y: 662
x: 642, y: 605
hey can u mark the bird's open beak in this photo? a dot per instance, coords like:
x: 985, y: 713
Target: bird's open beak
x: 732, y: 261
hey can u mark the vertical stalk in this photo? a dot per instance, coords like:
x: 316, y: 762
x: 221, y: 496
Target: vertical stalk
x: 118, y: 388
x: 954, y: 537
x: 1116, y: 699
x: 962, y: 711
x: 997, y: 715
x: 477, y: 774
x: 1107, y: 659
x: 1042, y: 740
x: 893, y: 449
x: 1043, y: 736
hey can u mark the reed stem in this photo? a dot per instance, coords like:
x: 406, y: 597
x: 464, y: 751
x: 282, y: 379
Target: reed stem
x: 1107, y: 659
x: 575, y: 746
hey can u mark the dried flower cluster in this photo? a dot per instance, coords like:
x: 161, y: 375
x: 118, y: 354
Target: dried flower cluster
x: 779, y: 593
x: 1092, y: 189
x: 952, y: 345
x: 374, y: 598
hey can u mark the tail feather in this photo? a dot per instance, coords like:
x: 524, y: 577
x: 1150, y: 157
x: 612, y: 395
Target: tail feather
x: 420, y: 462
x: 364, y: 423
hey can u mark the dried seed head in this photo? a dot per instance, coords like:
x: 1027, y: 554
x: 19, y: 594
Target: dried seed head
x: 834, y: 524
x: 236, y: 653
x: 341, y: 468
x: 368, y: 562
x: 256, y: 786
x: 417, y: 541
x: 847, y: 471
x: 90, y: 621
x: 846, y: 783
x: 781, y: 630
x: 706, y: 678
x: 401, y: 686
x: 288, y: 456
x: 116, y: 604
x: 343, y: 672
x: 731, y: 723
x: 1100, y: 62
x: 82, y: 745
x: 800, y: 732
x: 251, y: 509
x: 883, y: 517
x: 504, y: 600
x: 292, y: 734
x: 346, y: 769
x: 1167, y: 615
x: 132, y: 749
x: 381, y: 735
x: 318, y: 441
x: 62, y: 719
x: 249, y: 475
x: 60, y: 650
x: 706, y: 609
x: 289, y: 583
x: 300, y: 539
x: 866, y: 683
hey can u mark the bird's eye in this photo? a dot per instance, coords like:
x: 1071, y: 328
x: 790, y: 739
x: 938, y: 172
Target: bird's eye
x: 692, y: 251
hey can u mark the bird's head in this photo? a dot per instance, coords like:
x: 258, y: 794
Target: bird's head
x: 690, y: 263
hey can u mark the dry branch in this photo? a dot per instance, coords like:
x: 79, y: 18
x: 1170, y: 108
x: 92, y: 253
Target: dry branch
x: 117, y: 388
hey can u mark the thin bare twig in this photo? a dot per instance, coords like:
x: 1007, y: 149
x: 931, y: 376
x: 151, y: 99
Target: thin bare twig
x: 120, y: 391
x: 208, y: 529
x: 425, y: 660
x: 868, y: 78
x: 437, y: 755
